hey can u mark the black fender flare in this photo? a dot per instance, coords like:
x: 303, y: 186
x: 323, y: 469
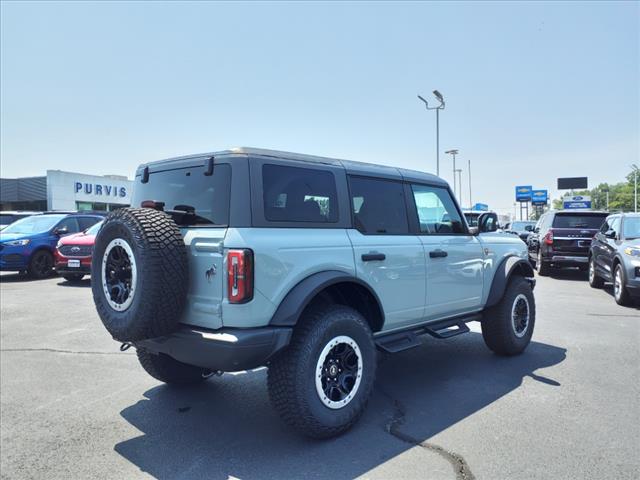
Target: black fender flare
x: 299, y: 297
x: 511, y: 265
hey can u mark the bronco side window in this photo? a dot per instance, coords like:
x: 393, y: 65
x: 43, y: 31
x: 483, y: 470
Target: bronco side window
x: 378, y: 206
x: 294, y: 194
x: 437, y: 212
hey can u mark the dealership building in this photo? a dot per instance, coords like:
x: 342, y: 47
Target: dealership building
x: 59, y: 190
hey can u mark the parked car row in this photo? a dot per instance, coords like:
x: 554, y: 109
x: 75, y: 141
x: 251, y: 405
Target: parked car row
x: 29, y: 244
x: 607, y: 246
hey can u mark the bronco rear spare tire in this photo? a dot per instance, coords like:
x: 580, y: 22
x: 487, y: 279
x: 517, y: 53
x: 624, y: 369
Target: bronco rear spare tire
x: 139, y: 274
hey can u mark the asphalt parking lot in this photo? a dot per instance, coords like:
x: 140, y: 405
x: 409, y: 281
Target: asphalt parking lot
x: 73, y: 406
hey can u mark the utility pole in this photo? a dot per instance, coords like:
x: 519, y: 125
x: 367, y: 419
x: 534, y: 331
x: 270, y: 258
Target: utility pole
x: 459, y: 171
x: 453, y: 152
x: 440, y: 98
x: 470, y: 202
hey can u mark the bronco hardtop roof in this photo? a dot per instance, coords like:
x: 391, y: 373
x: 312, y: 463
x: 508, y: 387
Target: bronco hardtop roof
x: 359, y: 168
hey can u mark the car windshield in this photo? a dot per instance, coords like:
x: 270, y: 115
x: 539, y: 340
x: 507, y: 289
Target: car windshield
x: 94, y: 229
x: 521, y: 226
x: 35, y: 224
x: 631, y: 228
x: 578, y: 220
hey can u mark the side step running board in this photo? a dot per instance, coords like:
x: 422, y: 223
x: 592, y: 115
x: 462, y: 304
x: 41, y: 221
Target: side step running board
x: 400, y: 341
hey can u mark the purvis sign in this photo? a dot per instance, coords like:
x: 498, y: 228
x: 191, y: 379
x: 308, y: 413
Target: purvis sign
x: 100, y: 189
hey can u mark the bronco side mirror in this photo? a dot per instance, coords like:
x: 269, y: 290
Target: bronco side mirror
x: 488, y: 222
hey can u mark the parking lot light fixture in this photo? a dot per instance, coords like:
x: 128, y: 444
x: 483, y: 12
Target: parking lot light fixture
x: 437, y: 108
x: 453, y: 152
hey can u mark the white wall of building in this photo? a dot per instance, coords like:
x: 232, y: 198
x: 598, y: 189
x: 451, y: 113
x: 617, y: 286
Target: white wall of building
x: 64, y: 189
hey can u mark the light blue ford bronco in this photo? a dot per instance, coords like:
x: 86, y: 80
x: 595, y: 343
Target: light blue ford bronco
x: 246, y: 258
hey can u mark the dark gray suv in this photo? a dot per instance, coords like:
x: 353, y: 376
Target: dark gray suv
x: 615, y: 256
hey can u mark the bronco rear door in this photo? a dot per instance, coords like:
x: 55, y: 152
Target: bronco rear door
x: 197, y: 198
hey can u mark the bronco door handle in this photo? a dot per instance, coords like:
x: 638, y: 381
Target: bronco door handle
x: 438, y: 253
x: 369, y: 257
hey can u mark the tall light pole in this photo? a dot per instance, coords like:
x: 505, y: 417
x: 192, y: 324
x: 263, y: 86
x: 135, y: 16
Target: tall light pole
x: 635, y: 188
x: 459, y: 170
x: 470, y: 202
x: 453, y: 152
x: 437, y: 108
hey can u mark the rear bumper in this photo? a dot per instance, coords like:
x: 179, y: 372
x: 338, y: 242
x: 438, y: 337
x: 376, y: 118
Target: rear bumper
x: 226, y: 349
x: 569, y: 259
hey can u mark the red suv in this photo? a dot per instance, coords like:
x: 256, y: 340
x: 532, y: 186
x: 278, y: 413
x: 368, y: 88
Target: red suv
x: 73, y: 254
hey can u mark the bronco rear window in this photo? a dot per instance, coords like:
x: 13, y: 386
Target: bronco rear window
x: 188, y: 190
x: 578, y: 220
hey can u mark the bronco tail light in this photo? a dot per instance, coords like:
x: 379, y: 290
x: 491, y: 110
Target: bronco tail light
x: 240, y: 275
x: 548, y: 238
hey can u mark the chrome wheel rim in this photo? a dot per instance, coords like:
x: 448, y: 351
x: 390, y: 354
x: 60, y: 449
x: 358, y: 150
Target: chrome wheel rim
x: 520, y: 315
x: 119, y: 274
x: 338, y: 372
x: 617, y: 284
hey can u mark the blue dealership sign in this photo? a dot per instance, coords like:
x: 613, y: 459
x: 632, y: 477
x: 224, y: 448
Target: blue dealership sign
x: 483, y: 207
x: 577, y: 201
x: 523, y: 193
x: 539, y: 197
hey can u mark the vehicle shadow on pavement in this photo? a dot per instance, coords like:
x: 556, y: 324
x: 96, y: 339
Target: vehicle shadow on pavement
x: 226, y: 428
x: 571, y: 274
x: 84, y: 283
x: 20, y: 277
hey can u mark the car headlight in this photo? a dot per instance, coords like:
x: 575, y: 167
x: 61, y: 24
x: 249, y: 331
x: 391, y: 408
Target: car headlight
x: 18, y: 243
x: 633, y: 251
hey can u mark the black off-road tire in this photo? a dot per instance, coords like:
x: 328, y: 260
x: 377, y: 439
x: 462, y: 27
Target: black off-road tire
x: 167, y: 370
x: 541, y: 267
x: 73, y: 277
x: 40, y: 265
x: 498, y: 328
x: 292, y: 375
x: 160, y: 291
x: 595, y: 281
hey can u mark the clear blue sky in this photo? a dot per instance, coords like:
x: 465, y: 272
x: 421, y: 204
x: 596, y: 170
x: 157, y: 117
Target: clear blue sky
x: 534, y: 90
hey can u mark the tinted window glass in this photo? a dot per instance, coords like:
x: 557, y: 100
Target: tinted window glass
x: 576, y: 220
x: 437, y: 212
x: 86, y: 222
x: 605, y: 226
x: 631, y: 227
x: 70, y: 223
x: 378, y: 206
x: 188, y: 188
x: 293, y: 194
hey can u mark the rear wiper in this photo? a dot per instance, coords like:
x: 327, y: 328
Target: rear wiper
x: 186, y: 215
